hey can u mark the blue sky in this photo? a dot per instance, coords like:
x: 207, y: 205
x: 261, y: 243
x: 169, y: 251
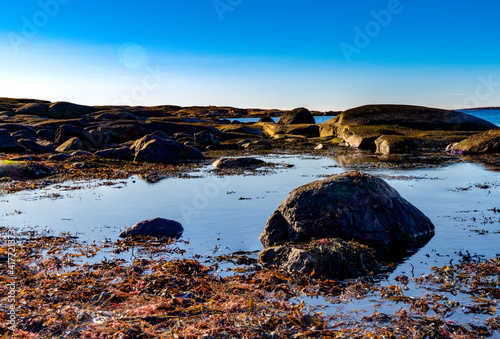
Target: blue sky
x: 326, y: 55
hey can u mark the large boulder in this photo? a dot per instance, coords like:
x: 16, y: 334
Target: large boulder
x: 73, y: 144
x: 206, y: 138
x: 482, y: 143
x: 416, y: 117
x: 238, y: 162
x: 332, y: 258
x: 37, y: 146
x: 349, y: 206
x: 297, y: 116
x: 152, y: 148
x: 157, y: 227
x: 8, y: 144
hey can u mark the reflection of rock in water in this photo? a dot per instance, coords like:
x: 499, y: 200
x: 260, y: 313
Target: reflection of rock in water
x: 402, y: 161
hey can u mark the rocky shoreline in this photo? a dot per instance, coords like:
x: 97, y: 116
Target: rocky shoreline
x: 326, y: 230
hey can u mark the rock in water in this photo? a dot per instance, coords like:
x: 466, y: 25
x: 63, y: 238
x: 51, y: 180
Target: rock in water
x: 349, y: 206
x: 297, y: 116
x: 327, y: 257
x: 483, y: 143
x: 157, y: 227
x: 238, y: 162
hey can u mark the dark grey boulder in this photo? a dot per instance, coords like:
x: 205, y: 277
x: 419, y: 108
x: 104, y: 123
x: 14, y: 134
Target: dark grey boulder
x: 24, y: 170
x: 350, y: 206
x: 8, y: 144
x: 37, y: 146
x: 297, y: 116
x: 118, y: 133
x: 21, y: 135
x: 73, y: 144
x: 66, y: 132
x: 47, y: 134
x: 206, y: 138
x: 238, y: 162
x: 483, y: 143
x: 266, y: 119
x: 157, y: 227
x: 151, y: 148
x: 121, y: 153
x: 60, y: 157
x: 333, y: 258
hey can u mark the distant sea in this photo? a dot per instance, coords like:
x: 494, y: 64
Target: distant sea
x: 491, y: 115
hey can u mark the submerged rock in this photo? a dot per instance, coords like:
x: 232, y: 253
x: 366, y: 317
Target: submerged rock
x: 350, y: 206
x: 157, y: 227
x: 483, y: 143
x: 238, y: 162
x: 332, y: 258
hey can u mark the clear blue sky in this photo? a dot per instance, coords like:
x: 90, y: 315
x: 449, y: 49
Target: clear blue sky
x: 322, y: 54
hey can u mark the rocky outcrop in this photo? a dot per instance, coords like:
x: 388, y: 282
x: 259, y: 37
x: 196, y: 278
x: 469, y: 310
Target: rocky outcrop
x: 349, y: 206
x: 68, y: 110
x: 152, y: 148
x: 483, y: 143
x: 332, y: 258
x: 297, y: 116
x: 8, y: 144
x: 238, y: 162
x: 122, y: 132
x: 396, y: 144
x: 415, y: 117
x: 361, y: 126
x: 33, y: 108
x: 157, y: 227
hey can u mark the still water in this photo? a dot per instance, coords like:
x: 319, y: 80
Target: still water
x: 222, y: 215
x: 227, y: 214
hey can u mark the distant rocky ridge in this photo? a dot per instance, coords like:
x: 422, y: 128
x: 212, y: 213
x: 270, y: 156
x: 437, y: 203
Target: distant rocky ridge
x: 170, y: 134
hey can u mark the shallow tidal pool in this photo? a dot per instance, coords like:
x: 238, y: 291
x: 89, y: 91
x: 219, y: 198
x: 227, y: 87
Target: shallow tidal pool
x: 222, y: 214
